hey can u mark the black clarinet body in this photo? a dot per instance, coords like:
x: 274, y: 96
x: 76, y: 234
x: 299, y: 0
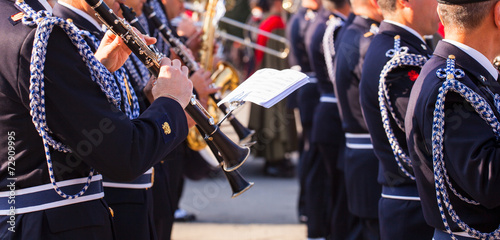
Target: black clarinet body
x: 169, y: 37
x: 131, y: 17
x: 234, y: 156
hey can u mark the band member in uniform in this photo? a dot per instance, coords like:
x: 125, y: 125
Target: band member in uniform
x: 275, y: 129
x: 325, y: 182
x: 170, y: 172
x: 451, y: 124
x: 307, y: 97
x: 359, y: 158
x: 400, y: 36
x: 131, y: 202
x: 81, y: 129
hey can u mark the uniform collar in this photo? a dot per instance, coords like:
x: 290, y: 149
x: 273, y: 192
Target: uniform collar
x: 407, y: 37
x: 476, y: 55
x: 340, y: 15
x: 409, y: 29
x: 83, y: 15
x: 466, y: 62
x: 364, y: 21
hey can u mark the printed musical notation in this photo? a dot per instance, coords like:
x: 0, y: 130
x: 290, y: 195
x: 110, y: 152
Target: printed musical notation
x: 267, y: 87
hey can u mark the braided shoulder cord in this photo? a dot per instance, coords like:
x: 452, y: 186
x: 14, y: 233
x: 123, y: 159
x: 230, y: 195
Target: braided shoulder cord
x: 328, y: 43
x: 45, y: 23
x: 37, y: 92
x: 484, y: 110
x: 161, y: 45
x: 140, y: 78
x: 118, y: 81
x: 143, y: 20
x: 400, y: 57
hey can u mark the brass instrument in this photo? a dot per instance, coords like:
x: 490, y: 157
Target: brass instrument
x: 233, y: 155
x: 225, y: 76
x: 291, y: 6
x: 236, y: 181
x: 207, y: 48
x: 226, y: 79
x: 281, y: 53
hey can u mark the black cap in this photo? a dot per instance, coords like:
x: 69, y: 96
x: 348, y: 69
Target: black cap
x: 458, y: 2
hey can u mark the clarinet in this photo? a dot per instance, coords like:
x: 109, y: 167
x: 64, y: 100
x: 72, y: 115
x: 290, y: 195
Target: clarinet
x: 181, y: 50
x: 234, y: 156
x: 169, y: 37
x: 130, y: 16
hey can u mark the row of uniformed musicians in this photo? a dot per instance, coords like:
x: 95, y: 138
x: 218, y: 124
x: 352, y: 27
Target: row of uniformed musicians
x: 136, y: 123
x: 363, y: 59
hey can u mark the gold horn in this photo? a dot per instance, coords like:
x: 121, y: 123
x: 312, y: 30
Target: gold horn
x: 225, y: 76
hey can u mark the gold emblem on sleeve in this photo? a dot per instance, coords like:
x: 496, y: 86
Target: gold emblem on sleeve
x: 166, y: 128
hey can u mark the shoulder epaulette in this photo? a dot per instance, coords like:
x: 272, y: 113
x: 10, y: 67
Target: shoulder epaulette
x: 373, y: 30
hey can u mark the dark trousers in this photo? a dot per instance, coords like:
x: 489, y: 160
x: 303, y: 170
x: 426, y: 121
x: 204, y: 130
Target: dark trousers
x: 303, y: 168
x: 133, y: 212
x: 325, y: 190
x: 340, y: 221
x: 167, y: 190
x: 402, y: 219
x: 86, y: 221
x: 317, y: 195
x: 363, y: 192
x: 365, y: 229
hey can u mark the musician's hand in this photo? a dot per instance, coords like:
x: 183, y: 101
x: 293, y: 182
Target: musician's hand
x: 190, y: 120
x: 173, y: 82
x: 202, y: 83
x: 174, y: 55
x: 113, y: 52
x: 148, y: 89
x: 186, y: 27
x: 194, y: 42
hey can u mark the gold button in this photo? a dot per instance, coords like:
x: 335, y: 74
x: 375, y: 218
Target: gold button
x: 166, y: 128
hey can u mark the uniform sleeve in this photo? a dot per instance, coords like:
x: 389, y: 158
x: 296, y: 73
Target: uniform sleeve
x: 471, y: 152
x: 79, y: 115
x: 346, y: 60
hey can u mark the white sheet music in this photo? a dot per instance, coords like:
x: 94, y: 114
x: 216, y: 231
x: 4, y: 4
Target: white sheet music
x: 267, y: 87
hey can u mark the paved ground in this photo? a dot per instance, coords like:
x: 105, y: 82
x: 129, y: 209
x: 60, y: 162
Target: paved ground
x: 207, y: 231
x: 267, y: 211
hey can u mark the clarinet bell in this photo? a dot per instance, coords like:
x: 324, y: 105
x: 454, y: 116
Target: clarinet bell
x: 244, y: 134
x: 234, y: 157
x: 238, y: 184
